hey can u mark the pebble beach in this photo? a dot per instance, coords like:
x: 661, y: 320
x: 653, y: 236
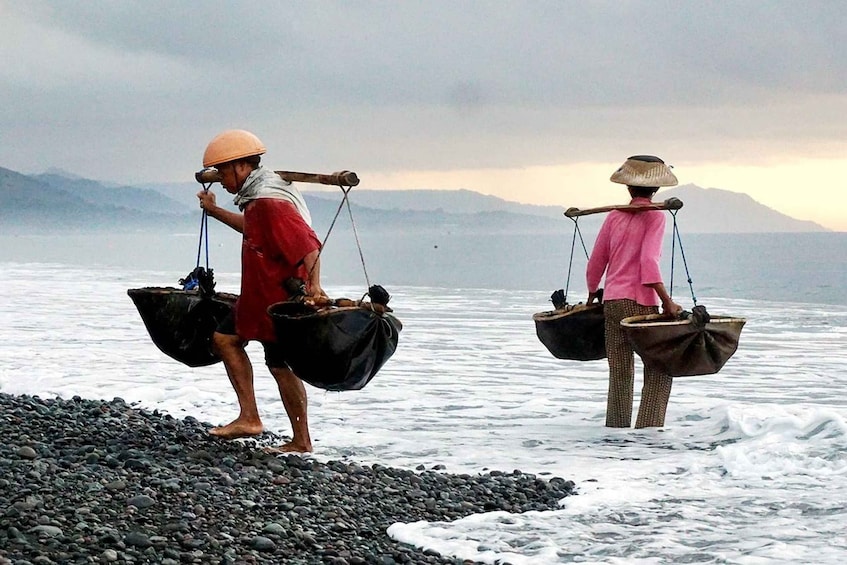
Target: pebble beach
x: 92, y: 481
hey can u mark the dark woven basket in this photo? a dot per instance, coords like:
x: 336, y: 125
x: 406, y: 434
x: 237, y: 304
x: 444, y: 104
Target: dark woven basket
x: 683, y: 348
x: 574, y: 332
x: 335, y: 348
x: 181, y: 322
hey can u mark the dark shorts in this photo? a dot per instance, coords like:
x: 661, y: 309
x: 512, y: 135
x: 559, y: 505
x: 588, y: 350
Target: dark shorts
x: 274, y: 357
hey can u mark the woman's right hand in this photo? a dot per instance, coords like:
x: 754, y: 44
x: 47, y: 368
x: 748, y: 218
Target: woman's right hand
x: 671, y: 309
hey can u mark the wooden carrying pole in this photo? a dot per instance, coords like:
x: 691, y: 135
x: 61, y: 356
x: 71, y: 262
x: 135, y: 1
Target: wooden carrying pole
x: 669, y: 204
x: 341, y: 178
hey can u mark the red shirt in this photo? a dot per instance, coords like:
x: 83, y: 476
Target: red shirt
x: 628, y: 249
x: 274, y: 243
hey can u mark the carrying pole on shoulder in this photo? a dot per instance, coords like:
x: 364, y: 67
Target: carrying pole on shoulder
x: 340, y: 178
x: 669, y: 204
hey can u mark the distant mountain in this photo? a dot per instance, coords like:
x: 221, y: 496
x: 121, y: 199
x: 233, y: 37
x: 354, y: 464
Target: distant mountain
x: 460, y: 201
x: 96, y: 193
x: 62, y: 173
x: 58, y: 201
x: 183, y: 194
x: 416, y: 210
x: 705, y: 210
x: 51, y: 202
x: 711, y: 210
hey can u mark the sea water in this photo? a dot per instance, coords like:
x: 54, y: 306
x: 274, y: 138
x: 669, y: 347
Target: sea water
x: 751, y: 466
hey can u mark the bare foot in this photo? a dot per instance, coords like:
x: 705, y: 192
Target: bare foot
x: 237, y: 429
x: 289, y: 447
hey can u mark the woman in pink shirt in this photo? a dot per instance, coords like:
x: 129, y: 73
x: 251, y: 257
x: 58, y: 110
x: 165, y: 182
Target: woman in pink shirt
x: 627, y: 250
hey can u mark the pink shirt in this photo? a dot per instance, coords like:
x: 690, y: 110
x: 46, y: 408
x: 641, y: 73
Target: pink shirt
x: 628, y: 249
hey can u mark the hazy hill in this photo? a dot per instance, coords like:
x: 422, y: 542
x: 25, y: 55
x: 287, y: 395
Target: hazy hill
x: 460, y: 201
x: 51, y: 202
x: 705, y: 210
x: 58, y: 201
x: 711, y: 210
x: 96, y: 193
x: 182, y: 194
x: 371, y: 212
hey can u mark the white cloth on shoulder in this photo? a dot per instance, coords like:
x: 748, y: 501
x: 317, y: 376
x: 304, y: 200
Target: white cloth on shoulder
x: 265, y: 183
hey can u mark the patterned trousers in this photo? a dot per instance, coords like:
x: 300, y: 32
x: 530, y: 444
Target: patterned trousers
x: 657, y: 386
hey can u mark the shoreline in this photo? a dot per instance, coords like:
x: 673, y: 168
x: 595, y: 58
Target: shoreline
x: 100, y: 481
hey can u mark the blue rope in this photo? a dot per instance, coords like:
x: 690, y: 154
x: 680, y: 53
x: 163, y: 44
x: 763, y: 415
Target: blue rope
x: 676, y: 237
x: 204, y: 226
x: 570, y: 261
x: 673, y: 253
x: 204, y: 231
x: 191, y: 282
x: 576, y: 231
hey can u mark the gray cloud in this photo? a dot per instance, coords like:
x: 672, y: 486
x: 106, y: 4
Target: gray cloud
x: 385, y: 85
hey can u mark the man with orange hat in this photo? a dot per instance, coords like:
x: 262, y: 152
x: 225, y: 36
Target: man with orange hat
x: 627, y: 250
x: 277, y: 244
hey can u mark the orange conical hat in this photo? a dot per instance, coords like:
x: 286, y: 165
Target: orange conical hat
x: 230, y: 145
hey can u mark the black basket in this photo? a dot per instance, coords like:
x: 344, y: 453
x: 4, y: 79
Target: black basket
x: 574, y: 332
x: 685, y: 347
x: 336, y: 348
x: 181, y: 322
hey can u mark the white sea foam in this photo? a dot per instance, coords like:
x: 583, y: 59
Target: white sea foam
x: 749, y: 469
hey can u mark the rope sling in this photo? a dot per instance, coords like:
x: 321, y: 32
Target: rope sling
x: 693, y: 343
x: 181, y: 321
x: 336, y: 345
x: 201, y: 278
x: 572, y: 331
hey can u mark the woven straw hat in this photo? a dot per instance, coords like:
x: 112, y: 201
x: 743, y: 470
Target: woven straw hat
x: 644, y: 170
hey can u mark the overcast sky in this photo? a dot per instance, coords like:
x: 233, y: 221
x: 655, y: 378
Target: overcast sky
x: 532, y: 101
